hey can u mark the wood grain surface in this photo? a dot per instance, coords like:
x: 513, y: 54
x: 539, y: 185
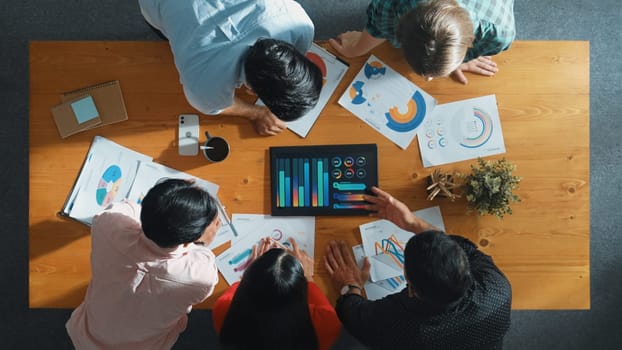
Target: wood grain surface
x: 542, y: 90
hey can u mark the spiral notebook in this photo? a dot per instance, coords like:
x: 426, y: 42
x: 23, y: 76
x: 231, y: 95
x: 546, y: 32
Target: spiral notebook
x: 75, y: 115
x: 108, y: 99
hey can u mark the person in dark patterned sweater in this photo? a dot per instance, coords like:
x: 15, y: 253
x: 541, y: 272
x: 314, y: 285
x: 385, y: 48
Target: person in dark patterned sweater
x: 456, y: 298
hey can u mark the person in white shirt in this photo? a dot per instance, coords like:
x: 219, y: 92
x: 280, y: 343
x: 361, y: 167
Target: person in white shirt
x: 149, y: 266
x: 220, y: 45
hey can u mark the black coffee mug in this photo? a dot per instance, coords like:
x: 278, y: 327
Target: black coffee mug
x: 215, y: 149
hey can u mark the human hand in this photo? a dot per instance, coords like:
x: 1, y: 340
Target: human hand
x: 483, y: 65
x: 342, y: 268
x: 266, y: 123
x: 385, y: 206
x: 346, y: 43
x: 304, y: 258
x: 263, y: 246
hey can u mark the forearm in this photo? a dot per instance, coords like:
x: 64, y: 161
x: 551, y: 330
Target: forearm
x: 354, y: 44
x: 241, y: 108
x: 366, y: 43
x: 352, y: 311
x: 418, y: 225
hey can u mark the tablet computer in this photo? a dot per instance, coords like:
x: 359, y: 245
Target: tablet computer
x: 322, y: 180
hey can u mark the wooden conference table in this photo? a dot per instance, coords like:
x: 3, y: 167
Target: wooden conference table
x: 542, y: 90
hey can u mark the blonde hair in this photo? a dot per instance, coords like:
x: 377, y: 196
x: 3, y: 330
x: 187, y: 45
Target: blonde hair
x: 435, y: 36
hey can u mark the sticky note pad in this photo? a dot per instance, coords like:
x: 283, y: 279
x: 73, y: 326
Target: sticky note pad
x: 84, y: 109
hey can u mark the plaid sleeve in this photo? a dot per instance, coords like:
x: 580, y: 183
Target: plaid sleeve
x: 374, y: 14
x: 383, y: 18
x: 495, y: 28
x: 489, y: 40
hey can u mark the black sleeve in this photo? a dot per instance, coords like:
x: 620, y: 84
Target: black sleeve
x: 355, y: 314
x: 367, y: 320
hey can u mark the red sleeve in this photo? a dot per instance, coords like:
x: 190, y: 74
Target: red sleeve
x: 323, y: 316
x: 222, y: 306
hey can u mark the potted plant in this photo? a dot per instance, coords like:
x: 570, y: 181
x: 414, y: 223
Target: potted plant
x: 488, y: 188
x: 442, y: 185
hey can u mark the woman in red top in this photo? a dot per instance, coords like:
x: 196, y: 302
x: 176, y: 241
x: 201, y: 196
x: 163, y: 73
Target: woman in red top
x: 276, y: 305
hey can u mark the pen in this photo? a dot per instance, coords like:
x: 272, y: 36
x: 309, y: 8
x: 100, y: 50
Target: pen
x: 278, y: 244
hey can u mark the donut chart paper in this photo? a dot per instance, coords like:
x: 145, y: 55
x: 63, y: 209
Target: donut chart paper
x: 461, y: 130
x: 388, y: 102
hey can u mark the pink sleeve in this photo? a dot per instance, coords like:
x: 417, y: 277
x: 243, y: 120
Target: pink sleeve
x: 126, y: 208
x: 325, y: 321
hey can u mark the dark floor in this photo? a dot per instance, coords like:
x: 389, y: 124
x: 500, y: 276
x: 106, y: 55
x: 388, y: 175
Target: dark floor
x: 598, y: 21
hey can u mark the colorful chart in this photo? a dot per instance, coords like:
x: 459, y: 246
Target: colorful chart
x: 108, y: 186
x: 383, y: 244
x: 461, y: 130
x: 387, y: 101
x: 387, y: 256
x: 252, y: 228
x: 379, y: 289
x: 279, y: 236
x: 392, y: 248
x: 356, y: 93
x: 393, y: 284
x: 306, y: 182
x: 374, y: 70
x: 319, y: 62
x: 242, y: 260
x: 477, y: 130
x: 336, y: 181
x: 404, y: 122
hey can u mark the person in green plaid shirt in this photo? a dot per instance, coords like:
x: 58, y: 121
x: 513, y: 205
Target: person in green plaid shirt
x: 438, y: 37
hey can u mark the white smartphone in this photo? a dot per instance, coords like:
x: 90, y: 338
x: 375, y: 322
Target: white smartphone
x: 188, y: 134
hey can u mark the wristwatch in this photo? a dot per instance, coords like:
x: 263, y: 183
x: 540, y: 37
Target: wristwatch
x: 348, y: 287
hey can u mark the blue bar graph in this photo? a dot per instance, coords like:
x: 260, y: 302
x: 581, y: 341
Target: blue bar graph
x: 326, y: 186
x: 288, y: 184
x: 281, y: 194
x: 307, y: 183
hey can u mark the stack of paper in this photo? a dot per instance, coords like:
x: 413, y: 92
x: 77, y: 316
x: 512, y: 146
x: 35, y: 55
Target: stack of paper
x: 112, y: 173
x: 107, y: 175
x: 383, y: 244
x: 251, y: 228
x: 398, y: 109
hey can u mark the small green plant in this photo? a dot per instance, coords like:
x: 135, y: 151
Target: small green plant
x: 488, y: 188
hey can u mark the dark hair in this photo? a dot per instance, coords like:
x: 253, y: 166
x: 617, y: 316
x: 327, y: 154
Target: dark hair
x: 175, y: 212
x: 437, y: 268
x: 270, y: 309
x: 435, y: 36
x: 287, y: 82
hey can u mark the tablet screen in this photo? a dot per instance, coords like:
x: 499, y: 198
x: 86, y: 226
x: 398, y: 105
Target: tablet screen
x: 322, y: 180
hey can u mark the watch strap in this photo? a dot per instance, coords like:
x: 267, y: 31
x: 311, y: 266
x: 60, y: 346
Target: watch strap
x: 349, y: 287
